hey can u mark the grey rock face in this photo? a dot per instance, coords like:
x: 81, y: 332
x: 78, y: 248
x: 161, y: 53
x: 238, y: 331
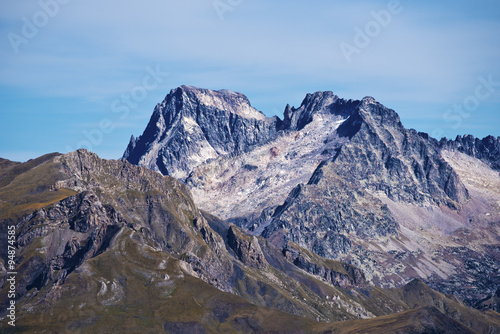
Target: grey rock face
x: 246, y: 247
x: 478, y: 267
x: 314, y: 104
x: 321, y: 217
x: 193, y: 125
x: 246, y: 188
x: 383, y: 156
x: 337, y: 273
x: 346, y: 180
x: 77, y: 228
x: 486, y: 149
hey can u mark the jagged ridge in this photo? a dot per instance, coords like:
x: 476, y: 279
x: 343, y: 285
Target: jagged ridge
x: 193, y: 125
x: 486, y: 149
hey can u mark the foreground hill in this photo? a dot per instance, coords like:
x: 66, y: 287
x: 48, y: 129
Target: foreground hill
x: 104, y: 245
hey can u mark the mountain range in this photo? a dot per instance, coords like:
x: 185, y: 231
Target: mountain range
x: 219, y: 219
x: 341, y: 178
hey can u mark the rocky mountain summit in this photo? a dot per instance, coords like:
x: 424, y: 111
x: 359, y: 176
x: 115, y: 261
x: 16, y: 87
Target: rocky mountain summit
x: 192, y: 126
x: 346, y: 180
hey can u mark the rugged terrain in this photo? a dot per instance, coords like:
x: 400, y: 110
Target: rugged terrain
x: 346, y: 180
x: 335, y: 219
x: 104, y: 245
x: 201, y: 125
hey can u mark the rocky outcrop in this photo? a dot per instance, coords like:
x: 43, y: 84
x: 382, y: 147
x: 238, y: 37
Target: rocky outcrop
x: 334, y: 272
x: 384, y: 156
x: 322, y: 217
x: 319, y: 103
x: 342, y: 178
x: 196, y: 127
x: 342, y: 206
x: 486, y: 149
x: 480, y: 268
x: 246, y: 247
x: 73, y: 230
x: 192, y: 126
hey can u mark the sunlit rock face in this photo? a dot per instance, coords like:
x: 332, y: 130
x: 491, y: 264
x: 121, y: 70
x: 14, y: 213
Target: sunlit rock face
x: 193, y: 126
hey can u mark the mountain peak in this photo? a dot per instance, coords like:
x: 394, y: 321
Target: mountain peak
x: 194, y: 125
x: 321, y: 102
x: 194, y: 89
x: 369, y: 99
x: 377, y: 115
x: 224, y: 99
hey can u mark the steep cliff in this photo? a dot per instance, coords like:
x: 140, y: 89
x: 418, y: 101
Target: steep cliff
x: 192, y: 126
x: 486, y: 149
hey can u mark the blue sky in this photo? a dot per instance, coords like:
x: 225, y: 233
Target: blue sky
x: 89, y: 73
